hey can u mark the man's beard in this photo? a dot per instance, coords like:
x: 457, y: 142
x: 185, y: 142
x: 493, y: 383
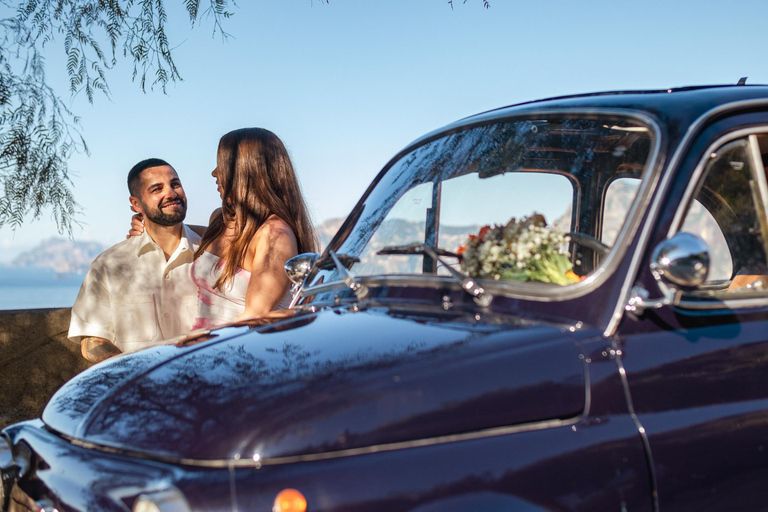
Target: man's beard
x: 158, y: 216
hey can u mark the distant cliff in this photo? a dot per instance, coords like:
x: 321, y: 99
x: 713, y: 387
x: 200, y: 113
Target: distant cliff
x: 68, y: 257
x: 61, y: 255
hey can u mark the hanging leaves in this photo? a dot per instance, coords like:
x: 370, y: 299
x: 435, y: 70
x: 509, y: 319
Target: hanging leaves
x: 38, y: 132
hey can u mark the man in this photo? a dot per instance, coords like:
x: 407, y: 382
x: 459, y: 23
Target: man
x: 140, y: 291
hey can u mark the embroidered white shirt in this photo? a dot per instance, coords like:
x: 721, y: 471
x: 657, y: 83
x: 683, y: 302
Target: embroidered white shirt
x: 133, y: 297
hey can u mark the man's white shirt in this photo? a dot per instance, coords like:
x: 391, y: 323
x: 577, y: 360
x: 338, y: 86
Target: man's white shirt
x: 133, y: 297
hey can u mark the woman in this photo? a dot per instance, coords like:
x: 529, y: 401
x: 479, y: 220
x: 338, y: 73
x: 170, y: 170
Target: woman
x: 262, y: 222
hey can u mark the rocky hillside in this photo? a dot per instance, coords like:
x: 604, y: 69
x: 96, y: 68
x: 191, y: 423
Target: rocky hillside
x: 68, y: 257
x: 61, y: 255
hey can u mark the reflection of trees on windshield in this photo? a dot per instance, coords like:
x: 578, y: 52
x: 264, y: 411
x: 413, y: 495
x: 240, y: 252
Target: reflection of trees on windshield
x: 589, y: 152
x: 490, y: 146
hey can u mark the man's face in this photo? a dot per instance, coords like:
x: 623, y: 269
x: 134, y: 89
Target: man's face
x: 161, y: 196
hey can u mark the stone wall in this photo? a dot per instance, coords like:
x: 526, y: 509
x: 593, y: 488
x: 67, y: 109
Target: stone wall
x: 36, y: 358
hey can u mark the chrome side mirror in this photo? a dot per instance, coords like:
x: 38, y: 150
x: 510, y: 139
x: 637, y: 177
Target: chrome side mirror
x: 679, y: 263
x: 299, y: 267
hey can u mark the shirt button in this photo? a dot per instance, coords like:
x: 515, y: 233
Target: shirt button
x: 167, y: 276
x: 167, y: 315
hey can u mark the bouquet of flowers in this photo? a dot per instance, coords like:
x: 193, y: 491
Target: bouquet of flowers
x: 524, y: 250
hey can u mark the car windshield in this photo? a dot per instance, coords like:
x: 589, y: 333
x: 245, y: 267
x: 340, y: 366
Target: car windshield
x: 537, y: 200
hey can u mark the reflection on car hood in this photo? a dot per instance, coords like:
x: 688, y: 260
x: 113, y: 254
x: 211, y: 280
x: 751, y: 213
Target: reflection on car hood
x: 325, y: 382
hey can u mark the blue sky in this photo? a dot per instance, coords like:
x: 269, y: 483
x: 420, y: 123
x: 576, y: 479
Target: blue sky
x: 346, y: 85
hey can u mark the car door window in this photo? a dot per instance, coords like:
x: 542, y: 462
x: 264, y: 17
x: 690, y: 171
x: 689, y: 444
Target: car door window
x: 728, y: 212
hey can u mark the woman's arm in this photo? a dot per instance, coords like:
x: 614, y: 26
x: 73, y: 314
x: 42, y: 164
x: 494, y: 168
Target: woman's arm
x: 273, y: 244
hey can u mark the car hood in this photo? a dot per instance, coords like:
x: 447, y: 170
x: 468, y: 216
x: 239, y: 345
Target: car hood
x: 325, y: 382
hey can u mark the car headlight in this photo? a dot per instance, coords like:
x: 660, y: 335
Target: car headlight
x: 169, y: 500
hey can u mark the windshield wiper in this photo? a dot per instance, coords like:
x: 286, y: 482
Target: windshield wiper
x: 468, y: 284
x: 327, y: 263
x: 416, y: 248
x: 359, y: 289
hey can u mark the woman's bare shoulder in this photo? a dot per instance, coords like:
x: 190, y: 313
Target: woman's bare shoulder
x: 275, y: 227
x: 274, y: 235
x: 215, y: 214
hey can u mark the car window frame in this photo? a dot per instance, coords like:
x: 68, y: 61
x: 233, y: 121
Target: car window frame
x: 688, y: 301
x: 316, y: 284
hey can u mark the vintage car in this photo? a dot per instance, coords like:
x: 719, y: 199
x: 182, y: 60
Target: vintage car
x: 556, y: 306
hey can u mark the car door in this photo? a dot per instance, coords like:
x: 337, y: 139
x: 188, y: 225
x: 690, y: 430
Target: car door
x: 697, y: 371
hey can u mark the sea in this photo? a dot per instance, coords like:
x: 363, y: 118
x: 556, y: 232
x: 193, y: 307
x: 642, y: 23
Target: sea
x: 33, y: 288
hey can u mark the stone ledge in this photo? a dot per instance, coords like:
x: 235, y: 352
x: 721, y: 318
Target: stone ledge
x: 36, y: 358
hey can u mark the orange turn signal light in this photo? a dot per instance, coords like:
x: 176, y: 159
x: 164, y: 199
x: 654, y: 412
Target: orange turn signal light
x: 290, y: 500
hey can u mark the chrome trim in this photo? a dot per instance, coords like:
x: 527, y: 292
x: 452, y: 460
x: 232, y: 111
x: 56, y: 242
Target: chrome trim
x: 435, y: 283
x: 248, y: 462
x: 752, y: 300
x: 735, y: 302
x: 758, y: 172
x: 618, y: 358
x: 629, y: 227
x: 677, y: 221
x: 653, y: 212
x: 640, y: 300
x: 420, y: 443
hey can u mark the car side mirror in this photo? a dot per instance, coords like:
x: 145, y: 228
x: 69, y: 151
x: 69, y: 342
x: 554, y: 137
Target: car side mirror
x: 679, y: 263
x: 299, y: 267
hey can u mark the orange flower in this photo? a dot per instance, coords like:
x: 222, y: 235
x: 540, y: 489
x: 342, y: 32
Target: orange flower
x: 573, y: 277
x: 461, y: 249
x: 483, y: 231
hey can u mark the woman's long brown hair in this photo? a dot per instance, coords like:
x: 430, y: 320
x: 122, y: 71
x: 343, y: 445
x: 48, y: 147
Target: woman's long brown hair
x: 258, y: 180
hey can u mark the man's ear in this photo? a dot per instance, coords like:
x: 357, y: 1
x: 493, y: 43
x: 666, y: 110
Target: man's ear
x: 135, y: 204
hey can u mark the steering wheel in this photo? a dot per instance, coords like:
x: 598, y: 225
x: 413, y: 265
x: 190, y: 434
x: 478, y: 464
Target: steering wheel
x: 589, y: 242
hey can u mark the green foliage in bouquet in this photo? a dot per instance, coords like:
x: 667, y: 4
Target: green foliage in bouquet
x: 524, y: 250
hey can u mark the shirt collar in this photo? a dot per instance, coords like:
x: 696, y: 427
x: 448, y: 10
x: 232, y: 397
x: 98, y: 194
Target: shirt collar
x: 184, y: 243
x: 146, y: 244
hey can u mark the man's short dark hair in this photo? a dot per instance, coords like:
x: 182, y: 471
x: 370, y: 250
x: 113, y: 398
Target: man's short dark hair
x: 136, y: 170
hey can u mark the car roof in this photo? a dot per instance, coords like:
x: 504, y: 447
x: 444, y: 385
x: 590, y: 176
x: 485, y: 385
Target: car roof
x: 676, y: 107
x: 702, y: 96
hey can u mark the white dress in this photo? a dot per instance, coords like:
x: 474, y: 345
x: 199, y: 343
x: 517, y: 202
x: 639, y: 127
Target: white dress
x: 220, y: 306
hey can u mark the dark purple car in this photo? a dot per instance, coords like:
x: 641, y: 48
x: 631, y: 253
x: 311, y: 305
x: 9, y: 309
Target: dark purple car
x: 556, y: 306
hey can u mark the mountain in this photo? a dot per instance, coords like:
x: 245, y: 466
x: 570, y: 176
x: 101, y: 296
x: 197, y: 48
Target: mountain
x: 61, y: 255
x: 68, y: 257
